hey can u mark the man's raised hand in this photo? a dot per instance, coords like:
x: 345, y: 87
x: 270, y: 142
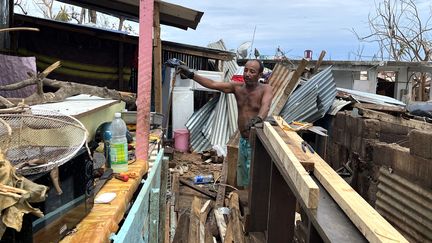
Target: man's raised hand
x: 185, y: 72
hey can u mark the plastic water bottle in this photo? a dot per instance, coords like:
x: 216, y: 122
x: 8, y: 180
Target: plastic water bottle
x: 203, y: 179
x: 119, y: 145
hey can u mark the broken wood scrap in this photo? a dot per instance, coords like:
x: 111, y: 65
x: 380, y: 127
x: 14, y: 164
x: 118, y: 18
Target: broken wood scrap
x: 175, y: 190
x: 205, y: 156
x: 203, y: 190
x: 182, y: 231
x: 194, y: 221
x: 204, y: 234
x: 222, y: 185
x: 64, y: 89
x: 319, y: 62
x: 382, y: 108
x: 234, y: 231
x: 220, y: 220
x: 232, y: 155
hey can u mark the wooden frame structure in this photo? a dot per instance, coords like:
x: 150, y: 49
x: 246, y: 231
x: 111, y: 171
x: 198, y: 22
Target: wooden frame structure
x: 341, y: 215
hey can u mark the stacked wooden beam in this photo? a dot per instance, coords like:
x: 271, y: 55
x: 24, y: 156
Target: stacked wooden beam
x: 370, y: 223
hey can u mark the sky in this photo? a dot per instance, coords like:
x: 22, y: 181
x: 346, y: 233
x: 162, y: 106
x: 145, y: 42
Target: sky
x: 294, y: 25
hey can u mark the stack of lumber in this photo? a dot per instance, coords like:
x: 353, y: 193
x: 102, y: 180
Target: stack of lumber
x: 369, y: 222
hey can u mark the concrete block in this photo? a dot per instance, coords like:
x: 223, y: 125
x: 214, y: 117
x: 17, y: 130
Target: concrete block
x: 391, y: 128
x: 339, y: 136
x: 420, y: 143
x: 339, y: 120
x: 351, y: 124
x: 418, y: 170
x: 365, y: 151
x: 370, y: 128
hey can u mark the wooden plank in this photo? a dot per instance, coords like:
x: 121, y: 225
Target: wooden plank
x: 221, y: 188
x: 307, y: 188
x: 166, y: 229
x: 282, y: 208
x: 220, y: 223
x: 157, y: 60
x: 203, y: 190
x: 260, y: 171
x: 295, y: 148
x: 154, y: 233
x: 202, y: 221
x: 318, y: 63
x: 219, y: 56
x: 235, y: 234
x: 369, y: 222
x: 182, y: 231
x: 175, y: 190
x: 162, y: 200
x: 290, y: 87
x: 232, y: 157
x: 393, y: 119
x: 194, y: 220
x: 382, y: 108
x: 108, y: 216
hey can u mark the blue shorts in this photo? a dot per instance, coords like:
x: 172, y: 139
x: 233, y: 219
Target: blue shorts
x: 243, y: 162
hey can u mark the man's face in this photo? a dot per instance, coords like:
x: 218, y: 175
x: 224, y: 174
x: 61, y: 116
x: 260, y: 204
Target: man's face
x: 251, y: 72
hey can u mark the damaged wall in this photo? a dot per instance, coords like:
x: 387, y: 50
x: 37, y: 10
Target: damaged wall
x: 378, y: 151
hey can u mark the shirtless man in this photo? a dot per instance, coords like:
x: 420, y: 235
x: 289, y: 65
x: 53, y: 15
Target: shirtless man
x: 253, y: 104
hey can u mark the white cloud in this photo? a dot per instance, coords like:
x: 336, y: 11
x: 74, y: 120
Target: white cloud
x: 291, y: 24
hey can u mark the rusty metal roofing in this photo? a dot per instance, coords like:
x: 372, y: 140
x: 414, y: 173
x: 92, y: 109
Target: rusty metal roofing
x: 170, y: 14
x: 279, y: 80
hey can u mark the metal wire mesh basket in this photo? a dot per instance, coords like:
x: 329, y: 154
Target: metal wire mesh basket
x: 36, y: 141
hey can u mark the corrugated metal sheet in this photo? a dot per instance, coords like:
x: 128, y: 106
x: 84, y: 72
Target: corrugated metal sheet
x: 337, y: 105
x: 279, y: 80
x: 312, y: 100
x: 230, y: 67
x: 214, y: 123
x: 198, y: 123
x: 406, y: 206
x: 371, y: 98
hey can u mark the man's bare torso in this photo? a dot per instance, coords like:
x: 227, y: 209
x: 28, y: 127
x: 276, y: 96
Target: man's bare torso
x: 248, y: 105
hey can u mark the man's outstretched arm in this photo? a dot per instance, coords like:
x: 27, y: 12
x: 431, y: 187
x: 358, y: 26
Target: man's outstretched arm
x: 226, y: 87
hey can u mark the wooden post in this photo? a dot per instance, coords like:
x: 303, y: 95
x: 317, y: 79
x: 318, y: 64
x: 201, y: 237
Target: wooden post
x: 157, y: 62
x: 318, y: 63
x: 281, y: 212
x: 260, y: 170
x: 162, y: 200
x: 121, y: 83
x: 144, y: 78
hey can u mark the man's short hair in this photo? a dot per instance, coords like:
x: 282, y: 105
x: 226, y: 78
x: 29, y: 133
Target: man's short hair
x: 260, y: 63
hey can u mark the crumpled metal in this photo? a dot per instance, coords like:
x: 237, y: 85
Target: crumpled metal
x: 12, y: 209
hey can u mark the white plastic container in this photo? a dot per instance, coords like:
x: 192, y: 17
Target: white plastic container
x: 119, y: 145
